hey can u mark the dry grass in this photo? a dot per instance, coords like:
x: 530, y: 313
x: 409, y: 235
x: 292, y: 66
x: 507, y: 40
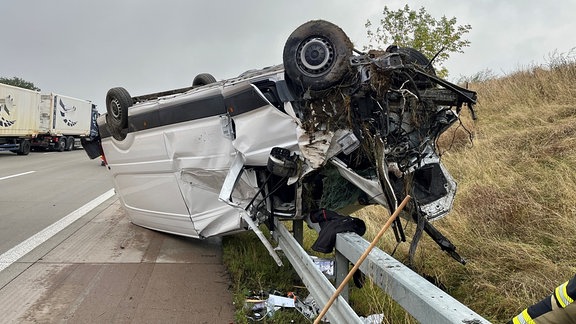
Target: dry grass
x: 515, y: 209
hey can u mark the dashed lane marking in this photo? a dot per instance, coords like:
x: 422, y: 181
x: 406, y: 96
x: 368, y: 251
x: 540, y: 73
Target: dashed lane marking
x: 16, y: 175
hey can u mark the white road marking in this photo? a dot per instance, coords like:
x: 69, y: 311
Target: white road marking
x: 31, y: 243
x: 16, y: 175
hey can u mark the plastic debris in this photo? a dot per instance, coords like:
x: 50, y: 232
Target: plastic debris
x: 326, y: 266
x: 373, y: 319
x: 260, y: 307
x: 307, y: 307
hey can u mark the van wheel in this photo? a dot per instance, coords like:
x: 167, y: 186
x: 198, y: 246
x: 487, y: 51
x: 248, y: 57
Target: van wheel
x: 118, y: 100
x: 316, y: 55
x: 203, y: 79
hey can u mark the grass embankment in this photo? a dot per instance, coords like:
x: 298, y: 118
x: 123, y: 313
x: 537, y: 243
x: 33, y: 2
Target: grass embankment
x: 514, y: 213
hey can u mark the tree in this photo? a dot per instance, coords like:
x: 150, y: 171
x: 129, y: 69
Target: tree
x: 18, y: 82
x: 435, y: 38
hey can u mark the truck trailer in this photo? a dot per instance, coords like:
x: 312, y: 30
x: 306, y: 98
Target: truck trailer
x: 32, y: 120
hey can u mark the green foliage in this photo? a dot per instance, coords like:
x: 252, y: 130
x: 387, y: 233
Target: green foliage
x: 18, y: 82
x: 418, y: 29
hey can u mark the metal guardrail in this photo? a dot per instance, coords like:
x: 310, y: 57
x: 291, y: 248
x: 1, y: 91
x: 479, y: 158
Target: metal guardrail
x: 424, y: 301
x: 319, y: 286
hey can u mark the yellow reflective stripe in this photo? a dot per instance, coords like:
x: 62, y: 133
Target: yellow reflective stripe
x: 562, y: 295
x: 523, y: 318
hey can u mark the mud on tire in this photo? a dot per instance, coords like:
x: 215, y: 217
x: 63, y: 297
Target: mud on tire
x: 316, y: 55
x: 118, y: 100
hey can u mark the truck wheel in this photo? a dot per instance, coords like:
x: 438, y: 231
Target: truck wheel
x: 69, y: 143
x: 118, y: 100
x: 413, y: 56
x: 24, y: 148
x: 61, y: 145
x: 316, y: 55
x: 203, y: 79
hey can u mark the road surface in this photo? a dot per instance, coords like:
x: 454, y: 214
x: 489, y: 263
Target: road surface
x: 38, y: 189
x: 100, y: 268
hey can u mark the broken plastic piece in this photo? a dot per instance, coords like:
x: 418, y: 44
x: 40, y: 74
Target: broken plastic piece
x: 275, y: 302
x: 307, y: 307
x: 326, y: 266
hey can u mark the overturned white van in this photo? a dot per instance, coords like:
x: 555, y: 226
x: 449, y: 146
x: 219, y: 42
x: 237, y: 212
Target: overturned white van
x: 329, y: 128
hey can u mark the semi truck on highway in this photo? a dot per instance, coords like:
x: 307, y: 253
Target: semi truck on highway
x: 33, y: 120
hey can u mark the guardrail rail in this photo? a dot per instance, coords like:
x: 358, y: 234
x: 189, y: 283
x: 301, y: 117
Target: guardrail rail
x: 420, y: 298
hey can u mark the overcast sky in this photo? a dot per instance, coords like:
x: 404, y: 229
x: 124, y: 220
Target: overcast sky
x: 83, y: 48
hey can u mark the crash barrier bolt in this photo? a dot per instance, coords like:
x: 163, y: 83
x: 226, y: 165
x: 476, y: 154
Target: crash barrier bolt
x: 361, y: 259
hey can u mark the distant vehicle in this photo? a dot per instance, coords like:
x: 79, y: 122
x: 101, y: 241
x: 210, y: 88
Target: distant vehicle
x: 31, y: 120
x: 327, y: 129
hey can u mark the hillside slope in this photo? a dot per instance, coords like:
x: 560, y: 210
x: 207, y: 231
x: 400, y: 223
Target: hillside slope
x: 513, y: 216
x: 515, y: 210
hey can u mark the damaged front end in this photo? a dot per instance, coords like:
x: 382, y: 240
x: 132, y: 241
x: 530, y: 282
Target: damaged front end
x: 328, y: 129
x: 372, y: 119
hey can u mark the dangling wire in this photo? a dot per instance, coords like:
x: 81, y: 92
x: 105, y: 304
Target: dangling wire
x: 435, y: 55
x: 278, y: 186
x: 420, y: 222
x: 398, y: 242
x: 259, y: 192
x: 460, y: 124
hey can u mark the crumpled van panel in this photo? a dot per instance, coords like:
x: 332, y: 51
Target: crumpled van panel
x: 259, y: 130
x: 149, y: 201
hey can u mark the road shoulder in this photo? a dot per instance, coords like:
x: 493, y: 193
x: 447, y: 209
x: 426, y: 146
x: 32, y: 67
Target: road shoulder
x: 102, y: 268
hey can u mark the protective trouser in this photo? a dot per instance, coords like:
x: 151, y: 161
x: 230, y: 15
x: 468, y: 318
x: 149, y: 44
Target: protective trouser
x: 558, y: 308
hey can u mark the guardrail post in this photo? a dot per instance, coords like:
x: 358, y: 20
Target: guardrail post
x: 298, y: 230
x: 341, y: 267
x: 318, y: 285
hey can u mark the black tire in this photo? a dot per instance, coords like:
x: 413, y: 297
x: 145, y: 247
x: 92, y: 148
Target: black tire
x: 118, y: 100
x: 317, y: 55
x: 61, y: 145
x: 203, y: 79
x: 24, y: 148
x: 413, y: 56
x: 69, y: 143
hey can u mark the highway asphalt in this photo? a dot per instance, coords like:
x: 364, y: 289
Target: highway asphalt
x: 99, y: 268
x: 38, y: 189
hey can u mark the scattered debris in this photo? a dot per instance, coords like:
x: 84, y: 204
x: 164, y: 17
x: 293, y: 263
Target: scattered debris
x: 326, y: 266
x: 373, y: 319
x: 308, y: 307
x: 263, y: 305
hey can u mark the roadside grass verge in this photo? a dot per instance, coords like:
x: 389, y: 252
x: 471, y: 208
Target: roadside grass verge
x: 255, y: 274
x: 513, y: 215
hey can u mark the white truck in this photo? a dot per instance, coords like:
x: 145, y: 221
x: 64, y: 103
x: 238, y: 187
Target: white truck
x: 32, y: 120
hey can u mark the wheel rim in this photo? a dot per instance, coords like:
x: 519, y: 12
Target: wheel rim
x: 115, y: 108
x: 315, y: 56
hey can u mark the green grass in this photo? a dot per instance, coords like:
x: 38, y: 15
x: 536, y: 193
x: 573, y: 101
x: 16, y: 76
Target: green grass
x: 254, y: 272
